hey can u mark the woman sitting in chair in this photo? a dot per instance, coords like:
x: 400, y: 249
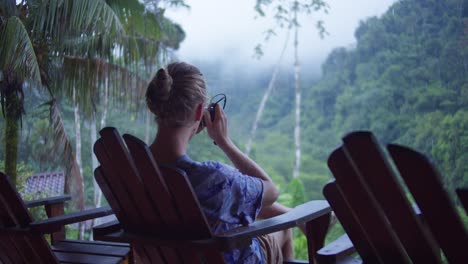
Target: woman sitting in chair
x: 229, y: 196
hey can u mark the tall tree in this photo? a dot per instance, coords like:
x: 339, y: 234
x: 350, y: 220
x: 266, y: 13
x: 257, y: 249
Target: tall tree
x: 18, y: 64
x: 297, y: 90
x: 261, y: 107
x: 286, y: 15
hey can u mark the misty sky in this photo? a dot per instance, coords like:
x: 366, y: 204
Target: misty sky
x: 228, y: 29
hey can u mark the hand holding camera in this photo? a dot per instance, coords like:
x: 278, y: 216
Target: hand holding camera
x: 215, y: 119
x: 215, y: 100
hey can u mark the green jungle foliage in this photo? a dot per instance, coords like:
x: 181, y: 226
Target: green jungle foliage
x: 406, y: 80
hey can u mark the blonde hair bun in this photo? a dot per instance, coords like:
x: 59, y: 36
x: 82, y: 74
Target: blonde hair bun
x: 173, y: 93
x: 160, y: 86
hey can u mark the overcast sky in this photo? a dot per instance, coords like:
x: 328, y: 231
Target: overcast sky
x: 228, y: 29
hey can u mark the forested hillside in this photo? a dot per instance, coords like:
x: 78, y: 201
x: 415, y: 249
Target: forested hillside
x: 406, y: 80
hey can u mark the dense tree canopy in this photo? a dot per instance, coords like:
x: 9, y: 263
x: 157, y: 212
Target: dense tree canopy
x: 406, y: 80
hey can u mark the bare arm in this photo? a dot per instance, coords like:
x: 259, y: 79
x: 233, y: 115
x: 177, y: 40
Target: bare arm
x: 217, y: 130
x: 273, y: 210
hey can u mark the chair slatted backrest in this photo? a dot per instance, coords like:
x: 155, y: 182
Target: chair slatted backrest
x: 20, y: 246
x: 371, y: 162
x: 366, y: 210
x: 425, y: 184
x: 175, y: 200
x: 370, y: 188
x: 356, y: 232
x: 149, y: 200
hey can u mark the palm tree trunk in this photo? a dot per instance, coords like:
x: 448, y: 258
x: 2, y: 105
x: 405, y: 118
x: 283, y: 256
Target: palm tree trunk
x: 77, y: 132
x: 104, y: 103
x: 73, y: 179
x: 297, y: 125
x: 78, y: 150
x: 148, y: 113
x: 12, y: 117
x: 97, y: 190
x: 94, y: 163
x: 261, y: 107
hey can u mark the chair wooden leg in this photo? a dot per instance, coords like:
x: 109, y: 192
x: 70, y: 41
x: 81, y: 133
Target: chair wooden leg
x: 316, y: 231
x: 53, y: 210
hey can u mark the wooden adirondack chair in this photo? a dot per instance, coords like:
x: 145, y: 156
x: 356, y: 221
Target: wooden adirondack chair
x: 160, y: 215
x: 369, y: 200
x: 462, y: 194
x: 22, y: 240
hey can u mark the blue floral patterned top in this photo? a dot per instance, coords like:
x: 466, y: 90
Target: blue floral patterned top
x: 228, y: 198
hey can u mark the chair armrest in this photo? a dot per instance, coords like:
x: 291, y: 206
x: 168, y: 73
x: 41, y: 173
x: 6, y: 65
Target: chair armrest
x: 48, y: 201
x: 53, y: 224
x: 106, y: 228
x: 299, y: 214
x: 235, y: 238
x: 54, y: 207
x: 340, y: 248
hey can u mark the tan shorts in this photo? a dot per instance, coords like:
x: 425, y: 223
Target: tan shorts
x: 271, y: 248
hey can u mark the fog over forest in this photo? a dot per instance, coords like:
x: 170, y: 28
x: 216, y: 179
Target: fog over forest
x: 227, y: 31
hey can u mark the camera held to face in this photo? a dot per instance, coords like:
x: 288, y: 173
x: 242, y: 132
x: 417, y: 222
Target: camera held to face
x: 212, y: 110
x: 217, y: 99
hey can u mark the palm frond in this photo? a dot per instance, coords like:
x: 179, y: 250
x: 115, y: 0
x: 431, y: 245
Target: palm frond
x: 17, y: 52
x: 173, y: 33
x: 136, y: 20
x: 63, y: 147
x: 57, y: 20
x: 90, y: 76
x: 146, y: 27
